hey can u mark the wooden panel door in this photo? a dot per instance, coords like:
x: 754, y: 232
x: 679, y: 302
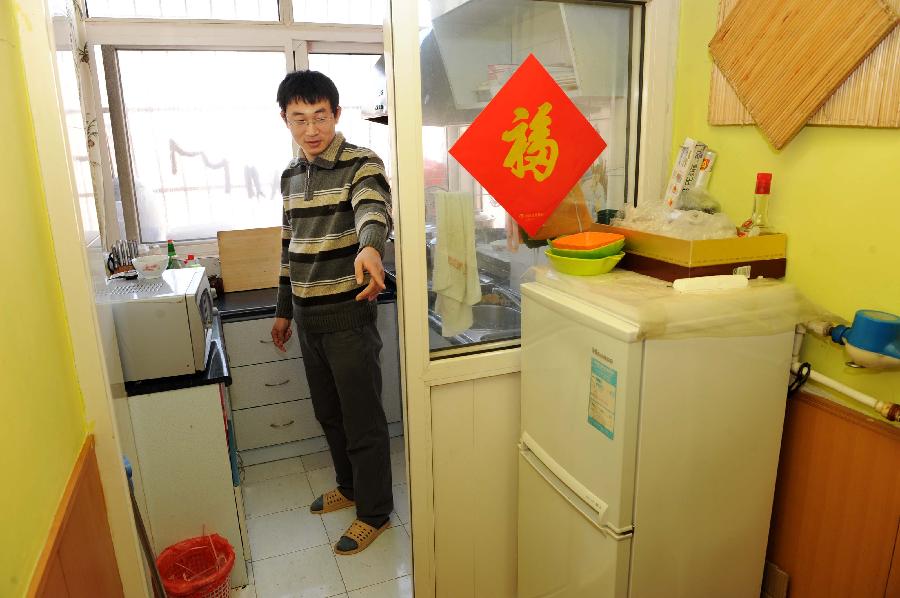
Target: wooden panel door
x: 837, y: 502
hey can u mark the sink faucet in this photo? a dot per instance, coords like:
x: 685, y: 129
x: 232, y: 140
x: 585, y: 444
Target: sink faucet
x: 509, y: 295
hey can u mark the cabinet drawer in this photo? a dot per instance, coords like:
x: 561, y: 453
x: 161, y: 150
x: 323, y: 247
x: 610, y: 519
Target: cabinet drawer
x: 268, y: 383
x: 250, y: 342
x: 275, y: 424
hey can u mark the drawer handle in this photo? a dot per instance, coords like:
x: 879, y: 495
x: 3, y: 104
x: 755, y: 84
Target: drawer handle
x: 290, y: 423
x: 265, y: 342
x: 277, y: 383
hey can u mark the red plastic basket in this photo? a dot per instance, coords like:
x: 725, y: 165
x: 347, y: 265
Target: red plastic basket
x: 197, y: 568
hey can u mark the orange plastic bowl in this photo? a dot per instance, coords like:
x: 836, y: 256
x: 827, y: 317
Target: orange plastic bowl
x: 585, y: 241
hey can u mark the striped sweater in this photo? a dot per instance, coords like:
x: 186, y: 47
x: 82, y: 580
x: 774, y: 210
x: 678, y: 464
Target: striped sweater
x: 332, y: 207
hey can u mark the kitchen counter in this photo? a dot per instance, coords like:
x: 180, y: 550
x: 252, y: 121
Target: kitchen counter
x: 216, y: 372
x: 258, y: 303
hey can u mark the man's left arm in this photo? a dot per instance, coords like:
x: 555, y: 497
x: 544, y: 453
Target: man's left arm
x: 370, y: 197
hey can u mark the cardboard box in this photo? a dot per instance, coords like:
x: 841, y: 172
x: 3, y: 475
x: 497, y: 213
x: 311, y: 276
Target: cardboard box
x: 669, y: 258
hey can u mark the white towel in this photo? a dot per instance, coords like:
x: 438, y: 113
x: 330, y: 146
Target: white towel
x: 455, y: 275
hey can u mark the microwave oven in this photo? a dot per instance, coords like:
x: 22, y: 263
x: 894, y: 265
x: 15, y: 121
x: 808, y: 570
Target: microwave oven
x: 163, y: 325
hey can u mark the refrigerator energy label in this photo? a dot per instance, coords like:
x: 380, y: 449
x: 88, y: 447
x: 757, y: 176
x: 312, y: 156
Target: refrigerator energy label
x: 602, y: 402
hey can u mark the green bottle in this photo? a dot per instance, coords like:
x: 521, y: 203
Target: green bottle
x: 174, y: 262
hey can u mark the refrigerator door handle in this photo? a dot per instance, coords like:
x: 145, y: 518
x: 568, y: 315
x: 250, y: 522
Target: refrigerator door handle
x: 587, y: 503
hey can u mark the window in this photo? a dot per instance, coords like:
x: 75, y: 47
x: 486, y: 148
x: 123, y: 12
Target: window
x: 467, y: 54
x: 241, y: 10
x: 370, y: 12
x: 57, y: 8
x: 199, y: 139
x: 207, y: 141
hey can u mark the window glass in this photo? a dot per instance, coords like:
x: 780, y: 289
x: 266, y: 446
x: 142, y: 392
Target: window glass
x: 468, y: 51
x: 207, y: 141
x: 240, y: 10
x: 58, y: 8
x: 348, y: 12
x: 353, y: 74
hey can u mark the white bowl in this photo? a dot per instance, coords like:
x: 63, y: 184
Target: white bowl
x: 150, y: 266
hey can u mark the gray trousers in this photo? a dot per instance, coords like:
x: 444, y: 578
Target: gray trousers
x: 344, y: 373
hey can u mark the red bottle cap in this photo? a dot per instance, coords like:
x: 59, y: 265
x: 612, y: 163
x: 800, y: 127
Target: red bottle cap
x: 763, y: 183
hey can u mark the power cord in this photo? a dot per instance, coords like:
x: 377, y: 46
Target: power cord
x: 800, y: 378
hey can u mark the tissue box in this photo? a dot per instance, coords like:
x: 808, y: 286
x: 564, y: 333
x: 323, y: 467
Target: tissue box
x: 668, y: 258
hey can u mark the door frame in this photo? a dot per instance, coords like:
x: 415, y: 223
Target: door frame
x: 654, y: 87
x: 35, y: 31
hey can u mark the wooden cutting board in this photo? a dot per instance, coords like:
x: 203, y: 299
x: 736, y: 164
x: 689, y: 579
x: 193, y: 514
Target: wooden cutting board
x: 250, y: 259
x: 786, y: 58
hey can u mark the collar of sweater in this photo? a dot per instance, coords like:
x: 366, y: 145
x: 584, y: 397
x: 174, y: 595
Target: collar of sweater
x: 327, y: 158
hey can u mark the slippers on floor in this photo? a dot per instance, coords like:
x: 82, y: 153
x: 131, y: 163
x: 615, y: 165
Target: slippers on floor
x: 358, y: 537
x: 332, y: 500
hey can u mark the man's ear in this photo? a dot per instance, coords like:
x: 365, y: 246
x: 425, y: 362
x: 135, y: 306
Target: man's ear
x: 337, y: 115
x: 284, y: 116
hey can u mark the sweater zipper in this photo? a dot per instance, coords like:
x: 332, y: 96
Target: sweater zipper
x: 309, y: 172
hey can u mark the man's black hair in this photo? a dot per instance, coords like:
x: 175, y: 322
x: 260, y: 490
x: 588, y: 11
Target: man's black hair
x: 309, y: 87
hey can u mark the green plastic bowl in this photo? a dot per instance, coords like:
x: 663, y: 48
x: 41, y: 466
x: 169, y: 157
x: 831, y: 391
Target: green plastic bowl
x: 582, y: 267
x: 590, y: 254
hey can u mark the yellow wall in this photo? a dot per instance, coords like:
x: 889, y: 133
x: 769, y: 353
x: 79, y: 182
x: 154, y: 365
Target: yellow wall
x: 835, y: 193
x: 39, y: 392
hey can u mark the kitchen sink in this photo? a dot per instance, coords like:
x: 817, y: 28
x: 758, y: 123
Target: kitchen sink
x: 489, y: 323
x: 495, y: 317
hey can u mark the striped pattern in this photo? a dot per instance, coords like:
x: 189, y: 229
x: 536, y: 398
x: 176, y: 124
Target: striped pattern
x: 785, y: 59
x: 870, y: 97
x: 332, y: 206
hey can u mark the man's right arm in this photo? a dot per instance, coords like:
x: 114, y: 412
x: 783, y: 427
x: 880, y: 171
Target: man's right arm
x: 284, y: 305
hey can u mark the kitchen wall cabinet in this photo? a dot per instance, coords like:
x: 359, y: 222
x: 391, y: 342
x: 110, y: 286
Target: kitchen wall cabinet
x: 482, y: 41
x: 273, y: 413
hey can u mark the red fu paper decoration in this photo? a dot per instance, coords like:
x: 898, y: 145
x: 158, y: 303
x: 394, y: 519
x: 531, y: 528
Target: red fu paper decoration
x: 529, y: 146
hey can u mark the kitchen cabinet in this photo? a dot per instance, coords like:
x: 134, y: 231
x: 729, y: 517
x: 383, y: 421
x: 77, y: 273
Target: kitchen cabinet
x: 481, y: 42
x: 182, y: 459
x: 270, y: 394
x: 837, y: 502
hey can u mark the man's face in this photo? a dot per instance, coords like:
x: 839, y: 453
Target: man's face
x: 311, y: 125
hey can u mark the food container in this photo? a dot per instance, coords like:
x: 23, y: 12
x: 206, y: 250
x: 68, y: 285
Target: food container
x: 150, y: 266
x: 583, y: 267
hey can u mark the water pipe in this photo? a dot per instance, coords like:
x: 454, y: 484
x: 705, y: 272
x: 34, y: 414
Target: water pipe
x: 890, y: 411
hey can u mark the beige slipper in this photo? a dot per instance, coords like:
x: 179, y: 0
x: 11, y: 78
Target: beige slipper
x: 359, y: 534
x: 332, y: 500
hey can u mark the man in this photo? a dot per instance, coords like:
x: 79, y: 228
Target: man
x: 336, y: 217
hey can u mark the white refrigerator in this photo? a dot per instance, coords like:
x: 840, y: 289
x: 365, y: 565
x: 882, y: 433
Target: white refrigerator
x: 647, y: 464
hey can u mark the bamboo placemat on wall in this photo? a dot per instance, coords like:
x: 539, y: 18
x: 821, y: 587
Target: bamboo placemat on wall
x: 870, y: 97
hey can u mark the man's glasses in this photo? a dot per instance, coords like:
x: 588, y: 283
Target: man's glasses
x: 317, y: 122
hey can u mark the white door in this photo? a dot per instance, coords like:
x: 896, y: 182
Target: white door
x: 580, y: 392
x: 561, y: 552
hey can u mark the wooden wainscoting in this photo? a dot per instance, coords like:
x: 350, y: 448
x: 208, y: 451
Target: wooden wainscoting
x: 78, y: 559
x: 837, y: 503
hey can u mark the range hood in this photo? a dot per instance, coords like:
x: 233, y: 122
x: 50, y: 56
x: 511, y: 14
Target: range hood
x: 438, y: 108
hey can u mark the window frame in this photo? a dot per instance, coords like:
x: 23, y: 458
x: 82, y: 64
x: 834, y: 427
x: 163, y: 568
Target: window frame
x: 295, y: 40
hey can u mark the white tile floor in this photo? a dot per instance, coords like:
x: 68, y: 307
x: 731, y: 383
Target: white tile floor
x: 292, y: 548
